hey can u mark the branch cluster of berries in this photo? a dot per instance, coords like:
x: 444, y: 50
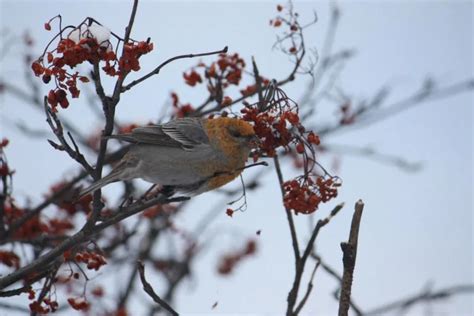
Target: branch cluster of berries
x: 229, y: 261
x: 93, y: 260
x: 303, y: 195
x: 10, y: 259
x: 37, y: 306
x: 79, y: 303
x: 34, y: 226
x: 71, y: 206
x: 87, y: 42
x: 277, y: 124
x: 221, y: 74
x: 292, y: 34
x: 226, y: 71
x: 4, y: 169
x: 180, y: 109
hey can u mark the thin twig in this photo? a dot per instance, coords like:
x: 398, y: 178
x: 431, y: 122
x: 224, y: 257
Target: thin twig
x: 99, y: 89
x: 377, y: 114
x: 146, y: 246
x: 57, y: 128
x: 36, y: 102
x: 149, y: 290
x: 331, y: 271
x: 258, y: 84
x: 308, y: 290
x: 46, y: 287
x: 6, y: 306
x: 158, y: 69
x: 294, y: 238
x: 349, y: 250
x: 425, y: 296
x: 293, y: 294
x: 327, y: 58
x: 372, y: 154
x: 289, y: 78
x: 128, y: 31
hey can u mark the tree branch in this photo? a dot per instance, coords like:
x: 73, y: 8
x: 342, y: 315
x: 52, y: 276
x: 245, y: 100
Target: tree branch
x: 294, y: 238
x: 86, y: 233
x: 349, y: 250
x: 158, y: 69
x: 57, y: 129
x: 149, y: 290
x: 331, y: 271
x: 425, y: 296
x: 300, y: 266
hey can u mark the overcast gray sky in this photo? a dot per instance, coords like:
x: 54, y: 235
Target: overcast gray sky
x: 417, y: 227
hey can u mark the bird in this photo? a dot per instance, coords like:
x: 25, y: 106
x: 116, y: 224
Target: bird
x: 190, y: 155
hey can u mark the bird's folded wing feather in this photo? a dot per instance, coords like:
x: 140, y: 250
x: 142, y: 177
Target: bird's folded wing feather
x: 185, y: 133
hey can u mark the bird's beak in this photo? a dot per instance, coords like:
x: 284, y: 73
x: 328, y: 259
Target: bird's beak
x: 254, y: 141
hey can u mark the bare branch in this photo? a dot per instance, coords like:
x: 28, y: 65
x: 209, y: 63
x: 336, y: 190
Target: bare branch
x: 375, y: 114
x: 370, y: 153
x: 424, y: 296
x: 349, y: 250
x: 149, y: 290
x: 158, y: 69
x: 57, y: 129
x: 6, y: 306
x: 294, y: 238
x: 293, y: 294
x: 331, y: 271
x: 308, y: 290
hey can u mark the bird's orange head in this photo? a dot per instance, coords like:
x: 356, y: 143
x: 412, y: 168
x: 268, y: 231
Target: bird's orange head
x: 233, y: 137
x: 231, y: 134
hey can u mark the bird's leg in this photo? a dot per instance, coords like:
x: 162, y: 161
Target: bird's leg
x: 126, y: 201
x: 147, y: 193
x: 168, y: 190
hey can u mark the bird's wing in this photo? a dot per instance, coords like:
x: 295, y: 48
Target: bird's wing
x: 185, y: 133
x: 188, y: 131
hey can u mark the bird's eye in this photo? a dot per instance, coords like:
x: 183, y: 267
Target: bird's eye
x: 234, y: 132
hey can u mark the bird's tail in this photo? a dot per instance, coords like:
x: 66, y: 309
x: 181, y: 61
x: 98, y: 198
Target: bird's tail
x: 114, y: 176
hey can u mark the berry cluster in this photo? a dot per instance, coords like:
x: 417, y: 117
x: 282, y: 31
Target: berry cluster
x: 94, y: 261
x: 277, y: 124
x: 37, y: 306
x: 272, y: 127
x: 68, y: 54
x: 10, y: 259
x: 305, y: 195
x: 347, y: 113
x: 229, y: 261
x: 87, y: 42
x: 59, y: 226
x: 192, y: 78
x: 227, y: 69
x: 180, y: 110
x: 78, y: 303
x: 4, y: 169
x: 279, y: 20
x: 70, y: 205
x: 218, y: 76
x: 98, y: 291
x: 129, y: 60
x: 290, y: 41
x: 34, y: 226
x: 252, y: 89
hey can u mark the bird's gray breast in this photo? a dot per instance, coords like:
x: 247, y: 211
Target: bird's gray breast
x: 173, y: 166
